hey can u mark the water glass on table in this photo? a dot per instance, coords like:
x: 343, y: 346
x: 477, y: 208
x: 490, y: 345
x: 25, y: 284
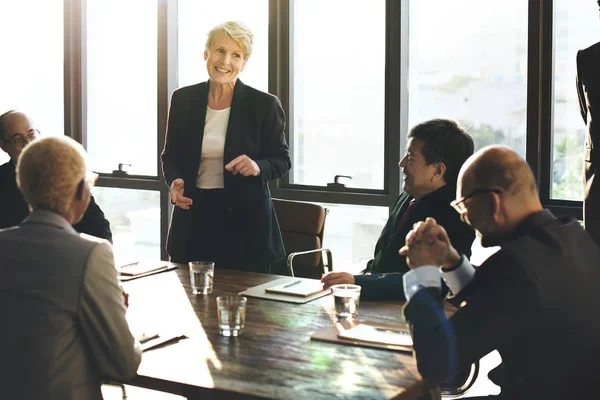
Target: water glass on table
x: 346, y: 298
x: 231, y: 314
x: 201, y: 276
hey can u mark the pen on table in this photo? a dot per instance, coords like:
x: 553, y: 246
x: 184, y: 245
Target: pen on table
x: 146, y: 338
x: 392, y: 330
x: 292, y: 283
x: 130, y: 264
x: 167, y: 342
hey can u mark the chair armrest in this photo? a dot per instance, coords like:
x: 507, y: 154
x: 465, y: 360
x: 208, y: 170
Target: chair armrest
x: 290, y: 258
x: 461, y: 386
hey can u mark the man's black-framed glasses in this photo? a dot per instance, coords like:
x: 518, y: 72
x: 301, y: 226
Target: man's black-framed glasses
x: 459, y: 204
x: 20, y: 140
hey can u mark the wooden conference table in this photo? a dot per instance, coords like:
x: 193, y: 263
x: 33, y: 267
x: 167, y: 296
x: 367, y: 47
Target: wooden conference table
x: 274, y: 358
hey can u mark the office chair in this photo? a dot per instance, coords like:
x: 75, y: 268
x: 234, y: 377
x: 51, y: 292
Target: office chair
x: 461, y: 383
x: 302, y: 226
x: 458, y: 386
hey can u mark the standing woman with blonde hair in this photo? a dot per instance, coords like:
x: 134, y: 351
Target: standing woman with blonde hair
x: 225, y: 141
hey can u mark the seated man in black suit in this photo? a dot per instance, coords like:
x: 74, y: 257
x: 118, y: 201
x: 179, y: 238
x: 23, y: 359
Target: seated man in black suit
x: 16, y: 131
x: 436, y: 150
x: 535, y: 300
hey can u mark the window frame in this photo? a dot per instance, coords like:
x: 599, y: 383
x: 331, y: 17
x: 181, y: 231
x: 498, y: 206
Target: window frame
x: 281, y: 69
x: 75, y: 97
x: 539, y: 131
x: 540, y: 113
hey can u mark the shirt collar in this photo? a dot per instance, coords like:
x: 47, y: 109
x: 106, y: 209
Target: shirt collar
x: 49, y: 218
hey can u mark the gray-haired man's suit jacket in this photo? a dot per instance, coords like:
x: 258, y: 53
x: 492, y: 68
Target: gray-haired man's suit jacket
x: 62, y: 311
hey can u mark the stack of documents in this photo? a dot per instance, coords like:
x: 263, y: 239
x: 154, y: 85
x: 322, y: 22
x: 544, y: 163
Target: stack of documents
x: 297, y: 287
x: 143, y: 268
x: 289, y: 290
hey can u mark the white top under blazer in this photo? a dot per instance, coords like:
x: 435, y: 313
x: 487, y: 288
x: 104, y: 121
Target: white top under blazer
x: 210, y: 172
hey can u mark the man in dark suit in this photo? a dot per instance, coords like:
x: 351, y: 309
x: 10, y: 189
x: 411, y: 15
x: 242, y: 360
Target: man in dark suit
x: 16, y: 131
x: 535, y: 300
x: 436, y: 150
x: 588, y: 89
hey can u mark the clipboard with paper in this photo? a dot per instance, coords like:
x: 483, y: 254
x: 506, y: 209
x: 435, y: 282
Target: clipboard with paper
x: 297, y: 287
x: 143, y: 268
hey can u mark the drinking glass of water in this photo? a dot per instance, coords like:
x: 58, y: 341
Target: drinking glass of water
x: 201, y: 276
x: 231, y: 314
x: 346, y: 299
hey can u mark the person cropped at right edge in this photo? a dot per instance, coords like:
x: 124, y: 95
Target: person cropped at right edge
x: 588, y: 89
x: 535, y: 300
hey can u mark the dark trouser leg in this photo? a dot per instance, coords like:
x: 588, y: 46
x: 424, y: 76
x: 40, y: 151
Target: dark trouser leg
x: 206, y: 239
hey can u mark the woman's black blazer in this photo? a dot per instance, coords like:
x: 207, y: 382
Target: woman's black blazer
x: 256, y: 128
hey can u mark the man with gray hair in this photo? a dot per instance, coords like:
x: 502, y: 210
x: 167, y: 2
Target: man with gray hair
x: 62, y: 308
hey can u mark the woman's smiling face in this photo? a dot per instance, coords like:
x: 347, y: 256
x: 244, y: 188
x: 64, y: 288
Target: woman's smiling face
x: 224, y: 60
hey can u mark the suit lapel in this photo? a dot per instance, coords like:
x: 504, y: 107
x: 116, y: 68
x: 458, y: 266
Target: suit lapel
x: 403, y: 203
x: 425, y: 208
x: 235, y: 126
x: 397, y: 213
x: 197, y: 119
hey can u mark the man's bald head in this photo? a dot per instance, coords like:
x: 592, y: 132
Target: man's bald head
x: 499, y: 191
x: 498, y: 167
x: 16, y: 131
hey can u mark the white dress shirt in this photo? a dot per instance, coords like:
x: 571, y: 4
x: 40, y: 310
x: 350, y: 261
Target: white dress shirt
x: 429, y: 276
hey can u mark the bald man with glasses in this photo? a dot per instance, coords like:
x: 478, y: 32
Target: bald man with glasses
x: 16, y: 131
x: 535, y: 300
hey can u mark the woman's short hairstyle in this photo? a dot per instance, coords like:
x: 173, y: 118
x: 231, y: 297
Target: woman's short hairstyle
x: 444, y: 140
x: 49, y: 171
x: 238, y: 31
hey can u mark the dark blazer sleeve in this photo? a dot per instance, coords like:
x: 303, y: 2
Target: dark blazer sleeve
x: 380, y: 287
x: 580, y: 90
x: 501, y: 303
x: 168, y: 157
x: 275, y: 159
x: 94, y: 222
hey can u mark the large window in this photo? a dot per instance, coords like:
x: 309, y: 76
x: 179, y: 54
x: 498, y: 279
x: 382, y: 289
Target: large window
x: 349, y: 95
x: 351, y: 232
x: 468, y: 61
x: 31, y: 66
x: 134, y: 217
x: 197, y: 17
x: 576, y: 26
x: 121, y: 60
x: 337, y: 85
